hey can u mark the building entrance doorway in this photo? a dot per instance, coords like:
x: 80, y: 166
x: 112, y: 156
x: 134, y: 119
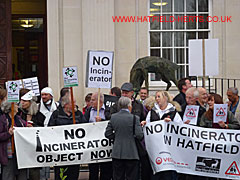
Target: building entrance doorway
x: 29, y: 40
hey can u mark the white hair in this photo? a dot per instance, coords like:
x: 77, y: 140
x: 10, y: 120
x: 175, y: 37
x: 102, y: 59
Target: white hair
x: 124, y: 102
x: 233, y: 90
x: 194, y: 91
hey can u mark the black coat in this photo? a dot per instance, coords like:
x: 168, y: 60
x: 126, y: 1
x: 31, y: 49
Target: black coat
x: 37, y: 119
x: 59, y: 117
x: 180, y: 98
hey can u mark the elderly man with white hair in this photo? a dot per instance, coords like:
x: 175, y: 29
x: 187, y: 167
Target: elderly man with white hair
x: 192, y: 95
x: 47, y: 104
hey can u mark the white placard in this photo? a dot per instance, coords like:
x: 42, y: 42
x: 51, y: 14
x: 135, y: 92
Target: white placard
x: 193, y: 150
x: 196, y: 57
x: 62, y: 145
x: 220, y: 113
x: 70, y: 76
x: 99, y: 69
x: 13, y: 91
x: 29, y: 83
x: 191, y: 114
x: 32, y: 84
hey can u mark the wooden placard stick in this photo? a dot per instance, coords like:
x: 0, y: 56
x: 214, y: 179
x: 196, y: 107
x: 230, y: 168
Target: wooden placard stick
x: 204, y: 62
x: 72, y: 100
x: 22, y: 83
x: 12, y: 118
x: 98, y: 102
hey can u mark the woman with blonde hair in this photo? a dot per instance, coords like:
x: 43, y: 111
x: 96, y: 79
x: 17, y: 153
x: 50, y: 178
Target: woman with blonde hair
x: 164, y: 109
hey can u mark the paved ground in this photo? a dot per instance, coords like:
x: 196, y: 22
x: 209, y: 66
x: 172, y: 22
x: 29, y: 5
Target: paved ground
x: 82, y: 176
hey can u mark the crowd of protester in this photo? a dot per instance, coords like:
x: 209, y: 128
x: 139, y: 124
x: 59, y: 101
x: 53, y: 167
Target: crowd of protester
x: 126, y: 116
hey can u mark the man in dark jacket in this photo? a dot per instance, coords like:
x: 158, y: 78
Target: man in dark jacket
x: 183, y: 85
x: 63, y: 116
x: 137, y: 107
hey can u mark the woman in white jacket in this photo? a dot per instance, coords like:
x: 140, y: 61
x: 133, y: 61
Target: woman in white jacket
x: 164, y: 109
x: 167, y: 110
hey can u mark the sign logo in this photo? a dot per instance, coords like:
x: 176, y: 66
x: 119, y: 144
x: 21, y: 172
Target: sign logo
x: 39, y: 144
x: 69, y: 72
x: 220, y: 112
x: 191, y: 113
x: 158, y: 160
x: 13, y: 86
x: 208, y: 165
x: 233, y: 169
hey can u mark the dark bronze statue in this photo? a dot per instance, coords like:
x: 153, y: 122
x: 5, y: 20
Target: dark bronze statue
x: 162, y: 68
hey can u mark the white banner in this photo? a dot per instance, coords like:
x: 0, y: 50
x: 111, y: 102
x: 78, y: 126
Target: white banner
x: 62, y: 145
x: 193, y: 150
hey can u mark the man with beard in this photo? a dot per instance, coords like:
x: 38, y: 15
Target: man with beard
x: 47, y: 104
x: 46, y: 107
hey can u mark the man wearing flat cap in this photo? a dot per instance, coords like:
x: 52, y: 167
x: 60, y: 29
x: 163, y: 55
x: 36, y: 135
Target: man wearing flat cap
x: 137, y: 107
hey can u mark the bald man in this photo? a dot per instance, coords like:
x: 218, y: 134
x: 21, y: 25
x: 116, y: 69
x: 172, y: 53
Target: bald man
x: 203, y: 97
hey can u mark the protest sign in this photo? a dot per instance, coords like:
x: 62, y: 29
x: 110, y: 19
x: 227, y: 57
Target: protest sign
x: 193, y: 150
x: 220, y: 113
x: 191, y: 114
x: 13, y: 91
x: 70, y: 76
x: 29, y: 83
x: 203, y: 58
x: 109, y: 100
x: 196, y: 57
x: 62, y: 145
x: 32, y: 84
x: 70, y: 79
x: 99, y: 69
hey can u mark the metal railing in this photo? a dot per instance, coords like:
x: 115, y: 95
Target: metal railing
x: 217, y: 85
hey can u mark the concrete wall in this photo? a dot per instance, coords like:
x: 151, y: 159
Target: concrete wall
x: 74, y: 27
